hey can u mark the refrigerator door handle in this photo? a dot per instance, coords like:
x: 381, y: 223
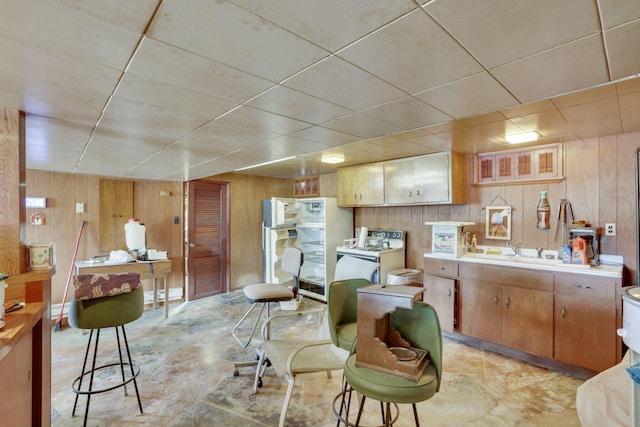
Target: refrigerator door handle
x: 262, y: 237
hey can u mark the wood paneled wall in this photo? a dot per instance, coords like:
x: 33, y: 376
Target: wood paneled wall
x: 12, y: 176
x: 62, y: 223
x: 600, y: 184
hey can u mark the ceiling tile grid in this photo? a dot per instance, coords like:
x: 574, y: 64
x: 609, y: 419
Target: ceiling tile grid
x: 183, y: 90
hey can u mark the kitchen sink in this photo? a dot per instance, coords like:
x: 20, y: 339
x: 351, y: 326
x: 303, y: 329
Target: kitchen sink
x: 523, y: 259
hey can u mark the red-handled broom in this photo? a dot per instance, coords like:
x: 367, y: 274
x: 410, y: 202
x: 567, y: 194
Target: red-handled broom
x: 66, y: 288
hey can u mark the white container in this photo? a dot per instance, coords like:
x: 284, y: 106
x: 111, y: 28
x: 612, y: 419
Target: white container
x: 135, y: 235
x: 448, y: 239
x: 405, y: 276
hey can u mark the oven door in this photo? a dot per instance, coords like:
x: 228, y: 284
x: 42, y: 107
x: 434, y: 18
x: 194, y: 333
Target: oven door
x: 375, y: 278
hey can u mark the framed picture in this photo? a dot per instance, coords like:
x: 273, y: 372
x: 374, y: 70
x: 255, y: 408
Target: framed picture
x: 498, y: 223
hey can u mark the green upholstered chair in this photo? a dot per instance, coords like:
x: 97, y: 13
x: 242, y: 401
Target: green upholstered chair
x: 342, y: 311
x: 105, y: 312
x: 421, y: 327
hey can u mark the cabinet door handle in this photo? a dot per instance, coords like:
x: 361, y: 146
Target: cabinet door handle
x: 564, y: 311
x: 410, y: 193
x: 449, y: 293
x: 496, y: 300
x: 417, y: 192
x: 507, y: 302
x: 441, y: 268
x: 579, y: 285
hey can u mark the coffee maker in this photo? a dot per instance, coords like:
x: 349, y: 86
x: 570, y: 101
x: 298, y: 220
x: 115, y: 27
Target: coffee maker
x: 592, y: 236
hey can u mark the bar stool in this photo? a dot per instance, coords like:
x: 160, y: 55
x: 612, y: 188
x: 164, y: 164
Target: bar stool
x: 98, y: 310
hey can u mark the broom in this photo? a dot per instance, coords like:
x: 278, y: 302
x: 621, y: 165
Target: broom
x: 66, y: 288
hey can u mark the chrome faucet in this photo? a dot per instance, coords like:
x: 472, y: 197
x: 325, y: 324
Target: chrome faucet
x: 539, y: 252
x: 515, y: 247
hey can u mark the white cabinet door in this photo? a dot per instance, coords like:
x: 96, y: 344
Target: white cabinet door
x: 431, y: 177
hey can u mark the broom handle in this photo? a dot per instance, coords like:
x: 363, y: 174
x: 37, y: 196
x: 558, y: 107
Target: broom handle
x: 73, y: 261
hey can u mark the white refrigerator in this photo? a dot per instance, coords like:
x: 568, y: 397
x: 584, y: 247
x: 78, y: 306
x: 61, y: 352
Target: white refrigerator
x: 320, y: 227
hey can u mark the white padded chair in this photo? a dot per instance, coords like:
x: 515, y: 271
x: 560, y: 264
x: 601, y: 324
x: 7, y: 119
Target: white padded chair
x: 262, y: 294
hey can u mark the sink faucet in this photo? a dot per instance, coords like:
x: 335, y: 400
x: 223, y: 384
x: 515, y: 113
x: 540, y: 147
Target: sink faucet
x: 539, y: 252
x: 515, y: 247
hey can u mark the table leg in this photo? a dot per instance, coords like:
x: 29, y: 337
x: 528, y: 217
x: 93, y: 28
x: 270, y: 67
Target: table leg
x: 166, y: 297
x: 155, y: 293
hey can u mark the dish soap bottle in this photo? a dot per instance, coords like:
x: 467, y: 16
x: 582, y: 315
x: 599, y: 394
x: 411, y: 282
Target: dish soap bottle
x: 544, y: 212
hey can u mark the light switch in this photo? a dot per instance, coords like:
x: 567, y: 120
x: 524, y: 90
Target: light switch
x: 79, y: 207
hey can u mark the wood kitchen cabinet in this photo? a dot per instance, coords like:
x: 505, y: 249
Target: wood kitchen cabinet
x: 440, y: 284
x: 361, y: 185
x: 586, y: 304
x: 116, y: 208
x: 508, y: 306
x: 438, y: 178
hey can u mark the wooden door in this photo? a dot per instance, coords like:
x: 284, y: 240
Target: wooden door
x: 527, y: 320
x: 594, y: 347
x: 207, y: 239
x: 481, y: 310
x: 116, y: 208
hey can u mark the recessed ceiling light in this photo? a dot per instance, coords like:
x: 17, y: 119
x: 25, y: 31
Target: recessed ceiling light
x: 519, y: 138
x: 333, y: 158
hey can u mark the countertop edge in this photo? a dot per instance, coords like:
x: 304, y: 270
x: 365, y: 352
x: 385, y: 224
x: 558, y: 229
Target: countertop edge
x: 609, y: 270
x: 18, y: 324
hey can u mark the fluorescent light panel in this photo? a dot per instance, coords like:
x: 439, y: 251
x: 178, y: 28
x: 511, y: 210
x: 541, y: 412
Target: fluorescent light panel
x: 519, y: 138
x: 266, y: 163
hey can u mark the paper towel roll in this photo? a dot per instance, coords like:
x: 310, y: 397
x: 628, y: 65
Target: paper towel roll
x: 362, y: 237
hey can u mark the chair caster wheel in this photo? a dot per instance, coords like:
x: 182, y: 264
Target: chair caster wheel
x: 236, y: 372
x: 260, y: 383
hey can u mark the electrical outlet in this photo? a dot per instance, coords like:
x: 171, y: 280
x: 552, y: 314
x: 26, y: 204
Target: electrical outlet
x: 610, y: 229
x: 79, y: 207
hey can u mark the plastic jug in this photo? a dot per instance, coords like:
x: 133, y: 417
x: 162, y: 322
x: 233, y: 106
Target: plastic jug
x: 135, y: 235
x: 579, y: 253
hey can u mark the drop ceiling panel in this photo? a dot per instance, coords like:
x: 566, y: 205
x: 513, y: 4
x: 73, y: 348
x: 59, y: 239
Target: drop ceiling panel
x: 174, y: 98
x: 318, y: 21
x: 233, y: 36
x: 407, y: 113
x: 503, y: 31
x: 624, y: 57
x: 72, y: 32
x: 479, y: 93
x: 630, y: 104
x: 560, y: 70
x: 164, y: 63
x: 361, y: 126
x: 325, y: 136
x: 413, y: 53
x: 297, y: 105
x: 342, y: 83
x: 615, y: 12
x: 259, y: 119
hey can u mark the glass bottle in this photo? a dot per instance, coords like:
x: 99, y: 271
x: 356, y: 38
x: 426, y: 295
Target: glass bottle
x: 544, y: 212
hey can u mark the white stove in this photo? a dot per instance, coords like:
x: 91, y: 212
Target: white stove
x: 390, y: 257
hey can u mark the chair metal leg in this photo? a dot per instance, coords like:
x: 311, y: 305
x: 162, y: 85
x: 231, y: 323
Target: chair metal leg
x: 120, y: 358
x: 285, y: 405
x: 360, y: 410
x: 415, y: 415
x: 255, y: 325
x: 84, y: 366
x: 133, y: 374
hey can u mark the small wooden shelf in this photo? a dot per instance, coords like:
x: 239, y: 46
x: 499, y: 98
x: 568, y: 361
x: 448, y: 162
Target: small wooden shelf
x: 306, y: 186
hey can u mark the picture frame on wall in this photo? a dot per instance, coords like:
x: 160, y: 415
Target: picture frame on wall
x: 498, y: 223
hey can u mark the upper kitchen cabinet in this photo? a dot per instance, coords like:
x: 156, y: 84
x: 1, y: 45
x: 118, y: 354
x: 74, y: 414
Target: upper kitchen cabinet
x: 529, y: 164
x: 116, y: 207
x: 361, y: 185
x: 438, y: 178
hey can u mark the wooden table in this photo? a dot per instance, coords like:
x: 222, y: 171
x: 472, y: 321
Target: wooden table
x: 154, y: 270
